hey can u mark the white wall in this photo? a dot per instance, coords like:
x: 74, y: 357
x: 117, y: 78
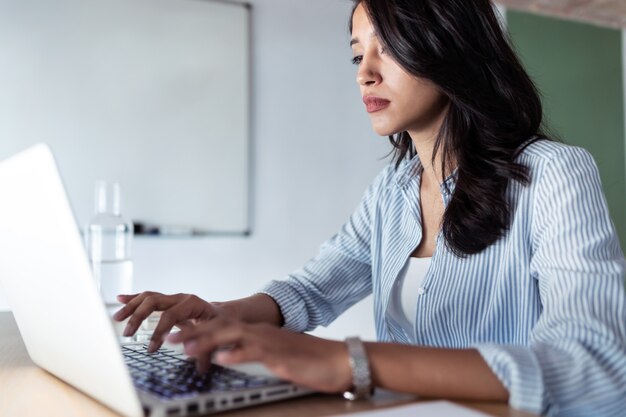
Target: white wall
x: 313, y: 156
x: 96, y: 105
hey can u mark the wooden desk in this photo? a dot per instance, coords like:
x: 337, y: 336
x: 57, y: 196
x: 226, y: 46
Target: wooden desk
x: 26, y: 390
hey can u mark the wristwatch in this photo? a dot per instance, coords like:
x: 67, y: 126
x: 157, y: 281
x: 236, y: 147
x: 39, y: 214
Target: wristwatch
x: 359, y: 364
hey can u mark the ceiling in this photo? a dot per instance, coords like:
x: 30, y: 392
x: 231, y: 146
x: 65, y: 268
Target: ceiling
x: 611, y: 13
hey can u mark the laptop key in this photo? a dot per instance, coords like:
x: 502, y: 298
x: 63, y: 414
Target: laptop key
x: 169, y: 374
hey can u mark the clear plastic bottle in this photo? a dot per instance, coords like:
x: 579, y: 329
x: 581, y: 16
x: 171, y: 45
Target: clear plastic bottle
x: 108, y: 238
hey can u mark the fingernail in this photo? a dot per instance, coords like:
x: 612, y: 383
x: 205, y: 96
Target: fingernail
x: 127, y: 331
x: 191, y: 348
x: 152, y: 346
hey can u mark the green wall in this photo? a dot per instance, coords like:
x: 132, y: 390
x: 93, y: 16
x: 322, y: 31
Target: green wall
x: 578, y: 69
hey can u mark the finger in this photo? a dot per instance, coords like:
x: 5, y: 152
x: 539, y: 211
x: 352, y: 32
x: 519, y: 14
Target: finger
x: 237, y: 355
x: 205, y: 337
x: 178, y: 313
x: 186, y: 324
x: 255, y: 346
x: 185, y: 333
x: 151, y: 303
x: 206, y: 344
x: 194, y: 330
x: 131, y: 305
x: 125, y: 298
x: 203, y: 364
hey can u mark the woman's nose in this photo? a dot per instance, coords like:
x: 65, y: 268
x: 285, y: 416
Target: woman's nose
x: 367, y: 75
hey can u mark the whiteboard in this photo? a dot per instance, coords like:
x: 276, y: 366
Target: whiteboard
x: 151, y: 93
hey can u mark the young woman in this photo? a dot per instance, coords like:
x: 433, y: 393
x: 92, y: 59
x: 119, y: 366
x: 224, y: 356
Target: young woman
x: 495, y: 269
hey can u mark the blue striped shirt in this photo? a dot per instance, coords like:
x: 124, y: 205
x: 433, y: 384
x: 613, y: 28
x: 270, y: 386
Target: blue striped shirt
x: 544, y: 305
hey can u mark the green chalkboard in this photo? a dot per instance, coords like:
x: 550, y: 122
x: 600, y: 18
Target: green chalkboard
x: 578, y: 68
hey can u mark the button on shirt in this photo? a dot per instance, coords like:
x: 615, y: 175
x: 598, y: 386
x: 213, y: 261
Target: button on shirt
x: 544, y: 305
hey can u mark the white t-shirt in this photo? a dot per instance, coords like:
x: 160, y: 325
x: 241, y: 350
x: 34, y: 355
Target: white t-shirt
x: 406, y: 289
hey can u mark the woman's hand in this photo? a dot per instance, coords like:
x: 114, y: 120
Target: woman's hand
x: 319, y: 364
x: 178, y: 310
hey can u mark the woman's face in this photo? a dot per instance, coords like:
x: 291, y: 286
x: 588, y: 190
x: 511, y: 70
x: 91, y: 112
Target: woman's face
x: 395, y: 100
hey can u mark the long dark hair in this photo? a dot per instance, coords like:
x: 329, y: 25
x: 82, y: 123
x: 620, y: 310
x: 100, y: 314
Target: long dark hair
x: 494, y: 108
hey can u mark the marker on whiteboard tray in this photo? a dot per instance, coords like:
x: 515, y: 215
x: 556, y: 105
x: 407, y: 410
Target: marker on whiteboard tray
x: 142, y: 228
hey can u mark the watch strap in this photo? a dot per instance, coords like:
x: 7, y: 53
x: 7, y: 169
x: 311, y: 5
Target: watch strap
x: 359, y: 364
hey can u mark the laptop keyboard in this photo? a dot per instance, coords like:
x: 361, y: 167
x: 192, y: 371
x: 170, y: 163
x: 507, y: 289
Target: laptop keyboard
x: 169, y: 374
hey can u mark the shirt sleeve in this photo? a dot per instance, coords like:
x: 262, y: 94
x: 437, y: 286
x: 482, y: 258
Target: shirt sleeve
x: 338, y: 277
x: 575, y: 363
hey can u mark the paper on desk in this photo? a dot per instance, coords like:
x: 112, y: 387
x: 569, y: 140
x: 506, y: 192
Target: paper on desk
x: 423, y: 409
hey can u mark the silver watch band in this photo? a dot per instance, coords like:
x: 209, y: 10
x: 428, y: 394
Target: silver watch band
x: 361, y: 379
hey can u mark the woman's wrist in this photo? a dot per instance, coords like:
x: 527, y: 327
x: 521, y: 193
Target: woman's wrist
x: 433, y: 372
x: 258, y: 308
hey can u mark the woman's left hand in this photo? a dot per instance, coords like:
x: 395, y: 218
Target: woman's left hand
x: 316, y: 363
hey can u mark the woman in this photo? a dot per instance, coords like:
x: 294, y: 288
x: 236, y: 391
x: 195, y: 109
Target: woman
x: 495, y: 269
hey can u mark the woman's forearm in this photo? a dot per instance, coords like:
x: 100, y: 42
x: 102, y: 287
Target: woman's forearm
x: 428, y: 372
x: 434, y: 372
x: 258, y: 308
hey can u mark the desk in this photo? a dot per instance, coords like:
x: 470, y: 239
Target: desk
x: 26, y: 390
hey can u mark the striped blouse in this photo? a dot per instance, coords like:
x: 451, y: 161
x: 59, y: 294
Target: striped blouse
x: 545, y: 305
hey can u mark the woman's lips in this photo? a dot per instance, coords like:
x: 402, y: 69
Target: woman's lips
x: 374, y: 104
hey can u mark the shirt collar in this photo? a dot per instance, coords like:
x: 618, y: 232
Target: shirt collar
x: 411, y: 169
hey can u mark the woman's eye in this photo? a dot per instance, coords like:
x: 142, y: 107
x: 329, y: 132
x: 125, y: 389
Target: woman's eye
x: 357, y: 59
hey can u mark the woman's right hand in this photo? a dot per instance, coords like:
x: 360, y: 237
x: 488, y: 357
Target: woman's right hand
x: 178, y: 310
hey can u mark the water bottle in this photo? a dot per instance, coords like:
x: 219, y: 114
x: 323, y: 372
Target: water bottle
x: 108, y: 238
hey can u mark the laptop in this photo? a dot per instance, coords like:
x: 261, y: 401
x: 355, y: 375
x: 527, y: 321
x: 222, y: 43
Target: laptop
x: 47, y: 279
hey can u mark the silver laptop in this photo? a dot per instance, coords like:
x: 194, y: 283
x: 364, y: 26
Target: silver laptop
x: 46, y: 277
